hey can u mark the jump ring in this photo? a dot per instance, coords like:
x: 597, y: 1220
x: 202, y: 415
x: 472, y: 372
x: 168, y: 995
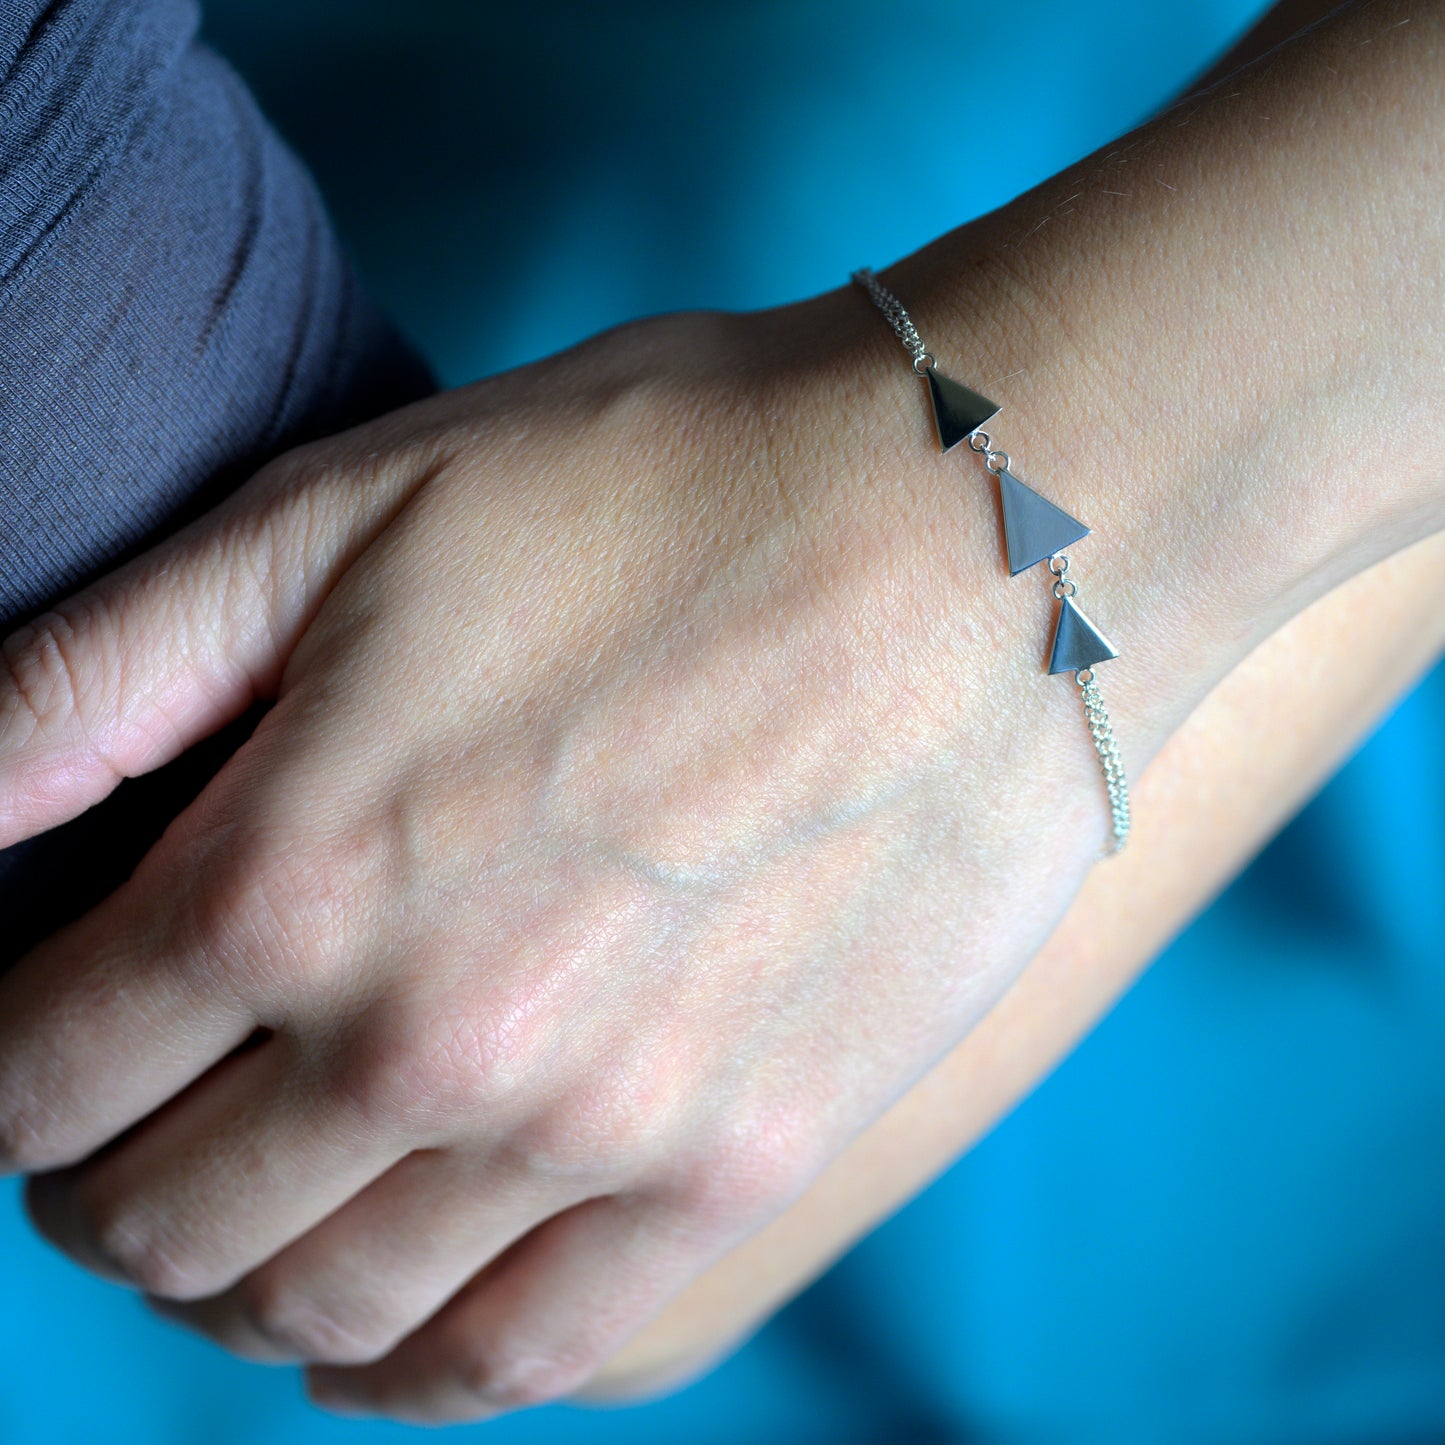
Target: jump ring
x: 928, y: 360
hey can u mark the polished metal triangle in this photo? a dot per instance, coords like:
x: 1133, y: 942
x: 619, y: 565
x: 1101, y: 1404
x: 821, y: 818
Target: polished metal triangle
x: 958, y: 410
x: 1033, y: 527
x: 1077, y: 642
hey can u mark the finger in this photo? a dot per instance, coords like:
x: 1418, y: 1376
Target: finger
x: 377, y: 1269
x: 249, y: 1159
x: 538, y: 1323
x: 101, y: 1025
x: 128, y: 673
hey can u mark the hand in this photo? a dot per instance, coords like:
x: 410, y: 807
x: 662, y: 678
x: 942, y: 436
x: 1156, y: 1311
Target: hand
x: 660, y: 780
x: 661, y: 775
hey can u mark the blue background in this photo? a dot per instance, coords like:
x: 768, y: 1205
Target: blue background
x: 1223, y: 1219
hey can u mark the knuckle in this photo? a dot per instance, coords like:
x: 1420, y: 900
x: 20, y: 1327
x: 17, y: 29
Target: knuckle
x: 116, y: 1235
x: 442, y: 1066
x: 499, y: 1044
x: 555, y: 1146
x: 51, y: 667
x: 298, y: 473
x: 295, y: 1324
x: 600, y: 1135
x: 752, y: 1173
x: 132, y: 1248
x: 730, y: 1189
x: 276, y: 914
x: 27, y: 1145
x: 515, y: 1378
x: 633, y: 1109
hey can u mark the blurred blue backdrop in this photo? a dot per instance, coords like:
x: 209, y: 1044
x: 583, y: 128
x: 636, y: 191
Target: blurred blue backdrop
x: 1223, y: 1220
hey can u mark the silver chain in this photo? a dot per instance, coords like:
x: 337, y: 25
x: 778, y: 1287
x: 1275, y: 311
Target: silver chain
x: 995, y: 460
x: 1107, y: 747
x: 1101, y: 730
x: 897, y: 317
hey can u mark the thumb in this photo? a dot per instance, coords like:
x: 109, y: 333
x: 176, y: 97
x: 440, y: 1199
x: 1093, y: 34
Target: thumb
x: 125, y: 675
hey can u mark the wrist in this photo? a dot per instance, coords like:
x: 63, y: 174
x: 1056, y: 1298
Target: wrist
x: 1217, y: 373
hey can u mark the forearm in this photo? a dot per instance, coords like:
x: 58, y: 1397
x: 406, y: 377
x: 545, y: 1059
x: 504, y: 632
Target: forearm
x: 1220, y: 341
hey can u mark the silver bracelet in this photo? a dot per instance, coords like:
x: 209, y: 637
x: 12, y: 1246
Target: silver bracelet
x: 1035, y: 530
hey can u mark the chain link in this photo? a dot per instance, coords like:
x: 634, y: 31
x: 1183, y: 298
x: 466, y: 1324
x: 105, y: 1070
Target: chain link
x: 1058, y: 564
x: 1107, y: 747
x: 897, y: 316
x: 1101, y: 730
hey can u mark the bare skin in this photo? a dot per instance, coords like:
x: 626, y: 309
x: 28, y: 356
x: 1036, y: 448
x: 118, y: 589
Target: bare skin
x: 1241, y: 764
x: 655, y: 795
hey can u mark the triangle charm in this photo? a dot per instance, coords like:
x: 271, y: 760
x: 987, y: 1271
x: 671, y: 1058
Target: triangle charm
x: 958, y: 410
x: 1077, y: 642
x: 1033, y: 527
